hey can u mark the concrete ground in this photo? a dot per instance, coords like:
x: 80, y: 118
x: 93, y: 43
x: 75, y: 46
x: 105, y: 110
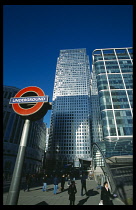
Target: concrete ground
x: 37, y: 197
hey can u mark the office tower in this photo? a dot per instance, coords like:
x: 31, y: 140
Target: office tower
x: 12, y: 131
x: 96, y: 124
x: 69, y: 138
x: 47, y: 139
x: 113, y: 69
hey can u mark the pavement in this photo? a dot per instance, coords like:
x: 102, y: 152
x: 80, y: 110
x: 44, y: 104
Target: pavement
x: 37, y: 197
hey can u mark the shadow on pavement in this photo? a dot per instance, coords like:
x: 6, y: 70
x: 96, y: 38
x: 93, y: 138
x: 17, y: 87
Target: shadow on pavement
x: 63, y: 191
x: 50, y: 189
x: 92, y: 192
x: 36, y: 189
x: 41, y: 189
x: 42, y: 203
x: 89, y: 193
x: 81, y: 202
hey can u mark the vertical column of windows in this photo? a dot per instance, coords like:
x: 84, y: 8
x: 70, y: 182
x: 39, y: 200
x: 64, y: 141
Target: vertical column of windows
x: 13, y: 129
x: 110, y: 94
x: 130, y: 92
x: 33, y: 135
x: 30, y: 134
x: 6, y: 94
x: 16, y: 133
x: 9, y: 127
x: 129, y: 56
x: 4, y: 115
x: 5, y: 122
x: 9, y: 95
x: 123, y: 81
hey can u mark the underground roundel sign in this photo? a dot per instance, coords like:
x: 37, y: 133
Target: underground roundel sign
x: 31, y: 103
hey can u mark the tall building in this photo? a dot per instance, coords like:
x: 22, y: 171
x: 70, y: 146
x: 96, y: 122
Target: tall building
x: 96, y: 123
x: 12, y: 131
x: 70, y: 138
x: 47, y: 139
x: 112, y: 70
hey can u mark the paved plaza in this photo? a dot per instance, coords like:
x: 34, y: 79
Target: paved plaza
x: 37, y: 197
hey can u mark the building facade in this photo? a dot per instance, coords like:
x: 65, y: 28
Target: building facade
x: 12, y: 131
x: 96, y: 123
x: 70, y: 137
x: 47, y: 139
x: 113, y: 70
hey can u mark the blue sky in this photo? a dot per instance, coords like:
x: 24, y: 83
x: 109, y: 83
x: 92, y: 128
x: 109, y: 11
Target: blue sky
x: 33, y: 35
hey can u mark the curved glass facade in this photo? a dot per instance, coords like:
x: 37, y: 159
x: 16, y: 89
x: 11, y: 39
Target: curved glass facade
x: 114, y: 75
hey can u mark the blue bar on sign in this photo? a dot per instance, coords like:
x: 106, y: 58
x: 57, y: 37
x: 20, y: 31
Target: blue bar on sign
x: 30, y: 99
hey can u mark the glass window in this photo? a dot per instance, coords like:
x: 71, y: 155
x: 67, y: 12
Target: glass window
x: 115, y: 81
x: 111, y: 63
x: 109, y: 55
x: 5, y: 95
x: 128, y: 113
x: 113, y: 132
x: 127, y: 131
x: 9, y: 96
x: 121, y: 56
x: 108, y: 51
x: 99, y: 67
x: 7, y: 115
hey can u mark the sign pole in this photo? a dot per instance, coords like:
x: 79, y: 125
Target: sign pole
x: 13, y: 194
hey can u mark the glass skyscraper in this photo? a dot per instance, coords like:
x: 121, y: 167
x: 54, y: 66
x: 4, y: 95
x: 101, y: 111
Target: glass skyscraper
x: 69, y: 138
x: 96, y: 124
x: 113, y: 72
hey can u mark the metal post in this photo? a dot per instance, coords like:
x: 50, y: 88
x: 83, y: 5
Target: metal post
x: 13, y: 194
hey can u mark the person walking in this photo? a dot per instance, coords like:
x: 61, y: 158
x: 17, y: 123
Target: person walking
x: 83, y: 184
x: 72, y: 191
x: 106, y: 195
x: 28, y: 182
x: 44, y: 183
x: 62, y: 182
x: 55, y: 182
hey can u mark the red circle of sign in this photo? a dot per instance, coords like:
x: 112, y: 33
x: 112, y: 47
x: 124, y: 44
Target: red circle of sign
x: 33, y: 109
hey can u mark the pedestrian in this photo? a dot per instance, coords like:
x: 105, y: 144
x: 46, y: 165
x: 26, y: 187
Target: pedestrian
x: 55, y: 182
x: 83, y: 184
x: 106, y: 194
x: 28, y: 182
x: 44, y: 183
x: 72, y: 191
x: 62, y: 182
x: 98, y: 182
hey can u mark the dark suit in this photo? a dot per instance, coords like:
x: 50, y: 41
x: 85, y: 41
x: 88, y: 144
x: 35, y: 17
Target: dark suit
x: 105, y: 196
x: 72, y: 191
x: 62, y: 183
x: 83, y: 182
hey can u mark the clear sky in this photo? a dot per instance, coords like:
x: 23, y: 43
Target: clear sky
x: 33, y: 35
